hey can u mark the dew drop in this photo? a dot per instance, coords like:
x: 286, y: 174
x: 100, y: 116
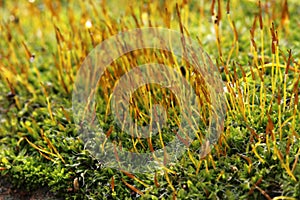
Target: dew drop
x: 12, y: 18
x: 88, y: 24
x: 32, y: 57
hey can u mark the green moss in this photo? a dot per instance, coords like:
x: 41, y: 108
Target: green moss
x: 43, y: 45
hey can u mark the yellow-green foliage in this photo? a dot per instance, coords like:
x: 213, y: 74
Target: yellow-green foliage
x: 254, y: 45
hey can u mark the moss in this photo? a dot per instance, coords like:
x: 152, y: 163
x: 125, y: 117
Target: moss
x: 256, y: 157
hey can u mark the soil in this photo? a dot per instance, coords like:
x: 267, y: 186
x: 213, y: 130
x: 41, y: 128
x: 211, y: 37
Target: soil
x: 8, y: 192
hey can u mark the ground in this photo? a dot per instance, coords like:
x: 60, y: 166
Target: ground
x: 9, y: 192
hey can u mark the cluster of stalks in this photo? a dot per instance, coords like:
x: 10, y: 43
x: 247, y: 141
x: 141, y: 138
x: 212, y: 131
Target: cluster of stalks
x: 269, y: 82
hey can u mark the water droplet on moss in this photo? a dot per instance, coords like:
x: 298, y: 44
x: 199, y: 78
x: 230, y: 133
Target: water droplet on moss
x: 32, y: 57
x: 88, y: 24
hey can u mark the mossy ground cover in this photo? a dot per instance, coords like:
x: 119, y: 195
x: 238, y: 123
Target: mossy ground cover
x: 254, y: 45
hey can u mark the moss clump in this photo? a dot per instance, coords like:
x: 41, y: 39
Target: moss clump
x: 43, y: 44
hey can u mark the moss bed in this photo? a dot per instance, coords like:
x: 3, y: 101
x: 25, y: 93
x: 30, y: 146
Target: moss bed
x: 255, y: 46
